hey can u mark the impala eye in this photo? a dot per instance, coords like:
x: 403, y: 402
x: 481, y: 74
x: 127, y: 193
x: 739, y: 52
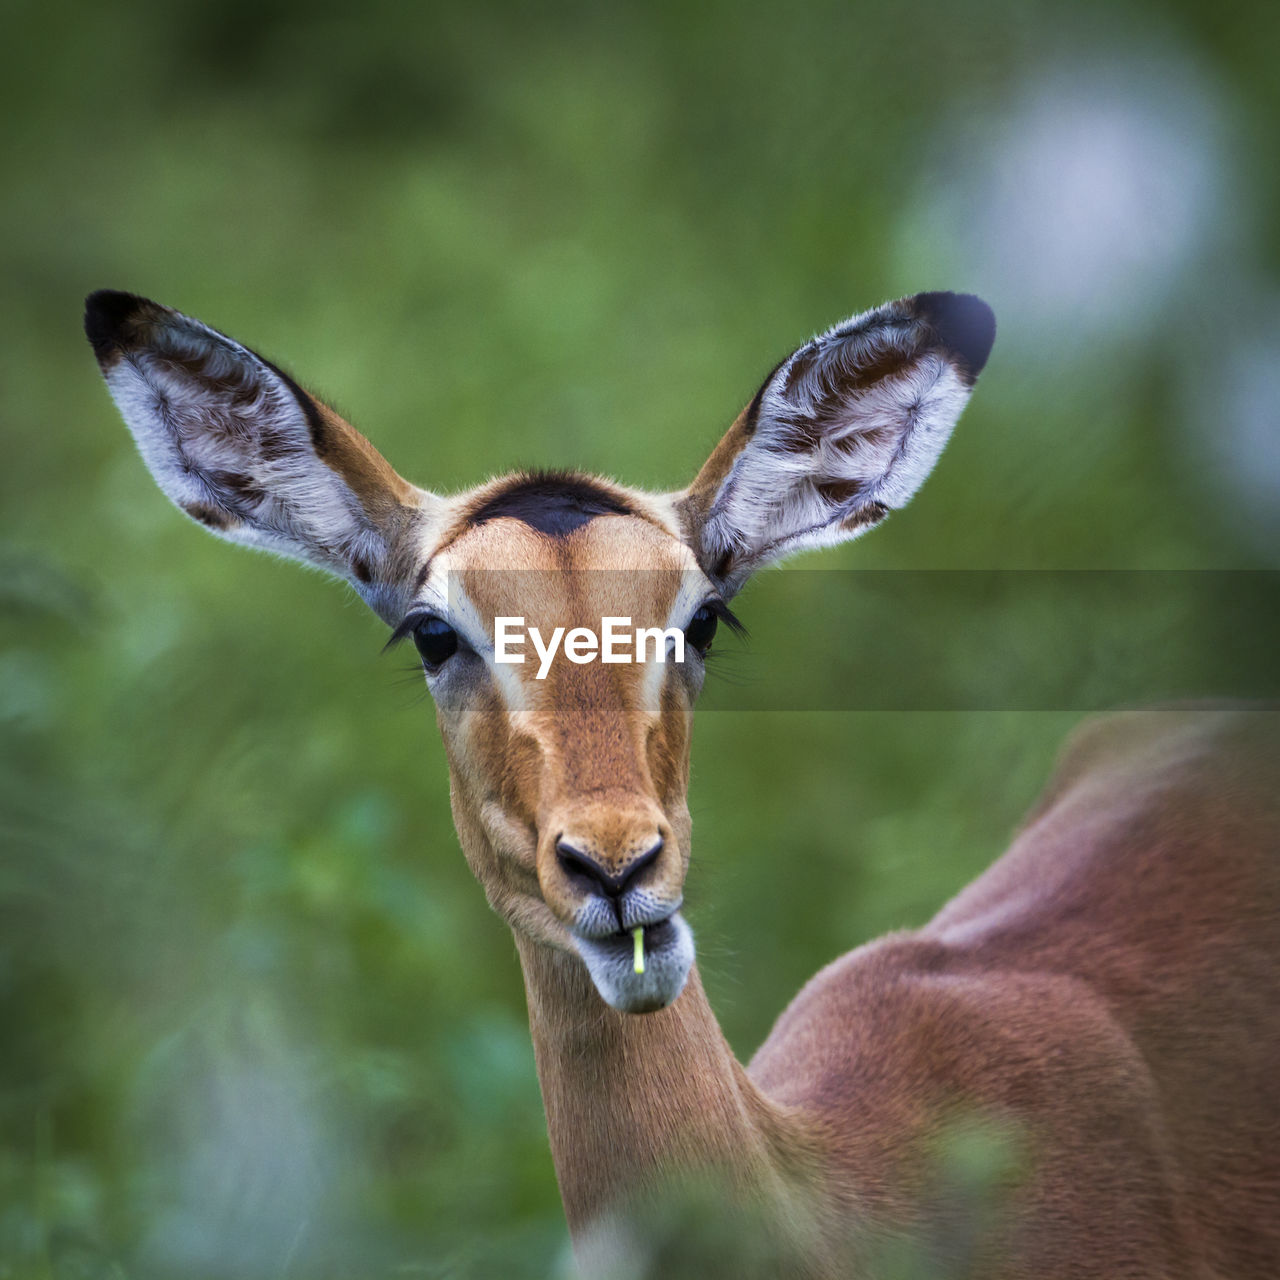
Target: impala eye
x: 437, y: 642
x: 702, y: 628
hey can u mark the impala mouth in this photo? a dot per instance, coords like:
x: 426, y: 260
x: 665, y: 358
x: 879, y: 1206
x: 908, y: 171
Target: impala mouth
x: 640, y: 978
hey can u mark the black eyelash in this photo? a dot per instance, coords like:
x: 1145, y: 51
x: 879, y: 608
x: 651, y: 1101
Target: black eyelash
x: 727, y: 616
x: 405, y: 627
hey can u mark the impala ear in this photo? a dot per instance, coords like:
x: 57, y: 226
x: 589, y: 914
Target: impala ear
x: 842, y: 432
x: 239, y: 446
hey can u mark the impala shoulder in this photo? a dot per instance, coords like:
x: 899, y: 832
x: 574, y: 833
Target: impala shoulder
x: 912, y: 1062
x: 910, y: 1027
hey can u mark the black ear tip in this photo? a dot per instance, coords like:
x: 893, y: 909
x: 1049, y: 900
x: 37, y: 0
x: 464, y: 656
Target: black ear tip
x: 108, y: 316
x: 964, y: 323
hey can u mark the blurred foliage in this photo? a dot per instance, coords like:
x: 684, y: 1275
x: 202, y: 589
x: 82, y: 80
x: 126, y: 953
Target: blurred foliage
x: 967, y: 1177
x: 257, y: 1021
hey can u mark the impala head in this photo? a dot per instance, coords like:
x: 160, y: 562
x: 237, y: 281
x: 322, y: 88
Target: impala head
x: 569, y: 775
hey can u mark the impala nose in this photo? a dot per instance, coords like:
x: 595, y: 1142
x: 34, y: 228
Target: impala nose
x: 590, y: 873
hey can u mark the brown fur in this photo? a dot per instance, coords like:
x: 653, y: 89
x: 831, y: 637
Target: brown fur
x: 583, y: 756
x: 695, y: 503
x: 1106, y: 993
x: 382, y: 492
x: 1105, y: 999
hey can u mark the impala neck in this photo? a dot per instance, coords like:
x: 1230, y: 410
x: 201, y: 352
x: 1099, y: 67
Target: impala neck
x: 632, y: 1100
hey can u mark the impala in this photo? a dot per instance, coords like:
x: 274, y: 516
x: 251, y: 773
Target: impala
x: 1107, y: 993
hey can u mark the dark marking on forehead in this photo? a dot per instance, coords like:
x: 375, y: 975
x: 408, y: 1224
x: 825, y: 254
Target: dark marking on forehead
x: 552, y: 502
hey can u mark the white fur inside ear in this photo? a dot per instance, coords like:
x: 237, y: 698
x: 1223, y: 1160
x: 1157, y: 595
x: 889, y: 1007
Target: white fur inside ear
x: 229, y: 442
x: 851, y: 423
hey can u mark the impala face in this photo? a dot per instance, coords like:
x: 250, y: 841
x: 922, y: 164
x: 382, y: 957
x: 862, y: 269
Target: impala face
x: 569, y: 792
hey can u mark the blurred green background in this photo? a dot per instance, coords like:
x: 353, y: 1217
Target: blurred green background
x: 257, y: 1020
